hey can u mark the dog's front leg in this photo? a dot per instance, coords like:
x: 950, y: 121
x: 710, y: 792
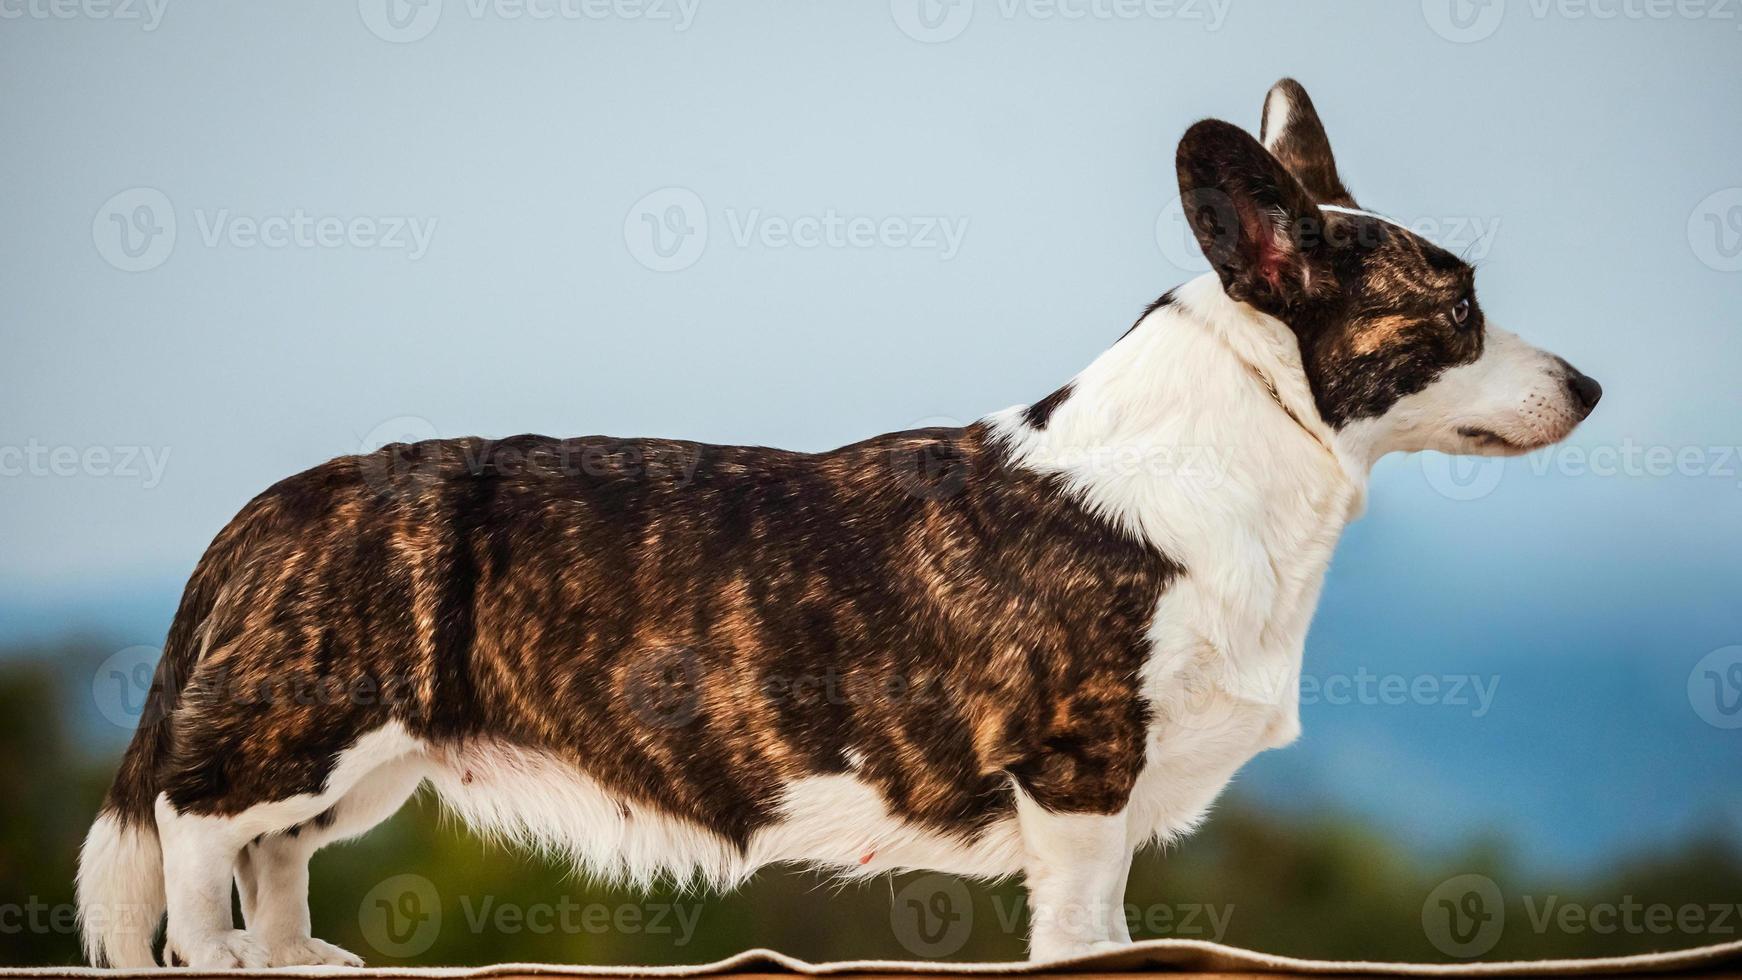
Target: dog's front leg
x: 1076, y: 865
x: 1121, y: 926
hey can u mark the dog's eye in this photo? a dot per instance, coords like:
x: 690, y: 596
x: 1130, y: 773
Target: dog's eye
x: 1461, y: 313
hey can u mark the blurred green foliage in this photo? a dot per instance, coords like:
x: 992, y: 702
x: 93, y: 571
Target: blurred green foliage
x: 420, y: 890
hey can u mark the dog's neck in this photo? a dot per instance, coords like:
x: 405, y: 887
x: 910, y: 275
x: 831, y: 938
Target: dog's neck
x: 1202, y: 392
x: 1271, y: 351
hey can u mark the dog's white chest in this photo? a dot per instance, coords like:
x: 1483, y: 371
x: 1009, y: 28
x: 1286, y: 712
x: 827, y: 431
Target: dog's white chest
x: 1223, y: 675
x: 1209, y: 719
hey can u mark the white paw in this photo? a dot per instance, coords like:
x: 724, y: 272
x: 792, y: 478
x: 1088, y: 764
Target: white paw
x: 309, y: 951
x: 227, y: 950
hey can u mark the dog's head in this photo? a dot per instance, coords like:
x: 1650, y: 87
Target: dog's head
x: 1398, y: 352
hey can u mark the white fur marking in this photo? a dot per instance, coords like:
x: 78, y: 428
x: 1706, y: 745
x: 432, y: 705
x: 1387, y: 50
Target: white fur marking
x: 1277, y: 112
x: 120, y: 893
x: 538, y: 800
x: 1075, y: 866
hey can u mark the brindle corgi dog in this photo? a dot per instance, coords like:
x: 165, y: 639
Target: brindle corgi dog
x: 1030, y: 645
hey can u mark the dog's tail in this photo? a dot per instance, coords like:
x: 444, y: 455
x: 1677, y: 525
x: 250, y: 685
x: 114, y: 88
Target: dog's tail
x: 120, y: 890
x: 120, y: 885
x: 120, y: 882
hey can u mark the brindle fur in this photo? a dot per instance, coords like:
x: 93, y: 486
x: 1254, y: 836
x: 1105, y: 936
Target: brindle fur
x: 690, y: 625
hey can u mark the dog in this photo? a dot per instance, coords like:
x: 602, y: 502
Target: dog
x: 1029, y: 645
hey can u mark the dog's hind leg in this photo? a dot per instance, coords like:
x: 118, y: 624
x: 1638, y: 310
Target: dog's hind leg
x: 199, y: 859
x: 279, y: 863
x: 224, y: 787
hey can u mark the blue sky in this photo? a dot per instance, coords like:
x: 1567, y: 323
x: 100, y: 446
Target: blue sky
x: 464, y: 232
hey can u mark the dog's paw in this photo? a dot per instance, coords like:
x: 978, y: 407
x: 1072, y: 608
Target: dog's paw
x: 309, y: 951
x: 228, y: 950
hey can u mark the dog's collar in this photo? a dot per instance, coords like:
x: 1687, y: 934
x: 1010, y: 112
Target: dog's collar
x: 1276, y: 396
x: 1352, y: 479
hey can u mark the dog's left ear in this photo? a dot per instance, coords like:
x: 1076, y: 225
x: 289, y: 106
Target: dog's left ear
x: 1257, y: 225
x: 1292, y: 132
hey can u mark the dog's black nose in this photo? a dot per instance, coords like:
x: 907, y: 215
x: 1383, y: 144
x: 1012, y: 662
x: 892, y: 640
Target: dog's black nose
x: 1585, y: 388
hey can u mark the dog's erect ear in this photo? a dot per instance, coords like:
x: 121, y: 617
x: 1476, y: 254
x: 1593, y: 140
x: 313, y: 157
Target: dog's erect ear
x: 1256, y: 224
x: 1292, y: 132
